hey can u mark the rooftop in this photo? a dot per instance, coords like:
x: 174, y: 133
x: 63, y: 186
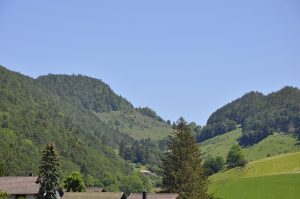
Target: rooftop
x: 19, y: 185
x: 153, y: 196
x: 93, y: 195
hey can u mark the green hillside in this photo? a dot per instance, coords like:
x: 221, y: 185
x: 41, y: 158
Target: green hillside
x: 85, y: 92
x: 268, y: 178
x: 95, y: 96
x: 258, y: 115
x: 263, y: 187
x: 275, y: 144
x: 31, y: 115
x: 136, y: 125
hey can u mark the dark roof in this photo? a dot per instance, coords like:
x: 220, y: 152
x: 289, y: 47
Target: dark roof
x: 19, y: 185
x: 154, y: 196
x: 92, y: 195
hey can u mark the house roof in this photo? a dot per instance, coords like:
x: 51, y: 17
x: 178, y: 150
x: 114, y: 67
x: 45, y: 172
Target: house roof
x: 19, y: 185
x: 153, y: 196
x: 92, y: 195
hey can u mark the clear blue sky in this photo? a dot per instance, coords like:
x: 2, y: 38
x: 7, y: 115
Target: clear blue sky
x: 181, y: 58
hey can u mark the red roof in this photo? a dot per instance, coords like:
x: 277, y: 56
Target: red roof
x: 19, y: 185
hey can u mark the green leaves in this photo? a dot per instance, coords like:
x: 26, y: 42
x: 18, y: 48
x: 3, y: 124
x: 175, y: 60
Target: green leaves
x: 74, y: 182
x: 182, y: 169
x: 48, y: 173
x: 235, y: 157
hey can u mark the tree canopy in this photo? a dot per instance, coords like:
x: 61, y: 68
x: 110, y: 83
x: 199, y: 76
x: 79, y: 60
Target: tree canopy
x: 235, y: 157
x: 49, y: 174
x: 182, y: 169
x: 74, y: 182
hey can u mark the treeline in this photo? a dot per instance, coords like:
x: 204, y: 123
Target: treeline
x: 146, y: 111
x: 32, y: 114
x: 258, y: 115
x: 86, y: 92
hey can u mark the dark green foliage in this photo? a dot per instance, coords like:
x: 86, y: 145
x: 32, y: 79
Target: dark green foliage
x: 258, y: 115
x: 144, y: 151
x: 135, y: 183
x: 213, y: 165
x: 48, y: 174
x: 182, y: 169
x: 235, y: 157
x: 31, y: 115
x: 150, y: 113
x: 3, y: 195
x: 88, y: 93
x: 1, y: 169
x: 74, y: 182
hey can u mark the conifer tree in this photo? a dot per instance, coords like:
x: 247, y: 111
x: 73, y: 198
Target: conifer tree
x: 49, y: 174
x: 182, y: 169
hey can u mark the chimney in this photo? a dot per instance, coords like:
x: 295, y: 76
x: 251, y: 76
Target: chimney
x: 145, y: 194
x: 30, y: 173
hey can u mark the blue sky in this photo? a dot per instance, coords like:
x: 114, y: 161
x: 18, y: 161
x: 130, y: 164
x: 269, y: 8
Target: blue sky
x: 181, y: 58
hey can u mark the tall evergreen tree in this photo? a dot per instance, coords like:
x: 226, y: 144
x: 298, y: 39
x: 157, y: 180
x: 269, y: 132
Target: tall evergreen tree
x: 49, y: 174
x: 182, y: 169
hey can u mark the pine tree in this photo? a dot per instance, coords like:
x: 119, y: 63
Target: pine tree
x: 48, y: 174
x: 182, y: 169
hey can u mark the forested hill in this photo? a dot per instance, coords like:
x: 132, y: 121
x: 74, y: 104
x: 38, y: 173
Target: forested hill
x: 259, y: 116
x: 64, y: 109
x: 86, y: 92
x: 31, y: 115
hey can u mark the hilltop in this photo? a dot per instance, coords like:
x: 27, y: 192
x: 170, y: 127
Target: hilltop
x: 66, y: 109
x: 258, y: 115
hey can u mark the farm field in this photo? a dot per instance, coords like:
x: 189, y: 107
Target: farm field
x: 268, y: 178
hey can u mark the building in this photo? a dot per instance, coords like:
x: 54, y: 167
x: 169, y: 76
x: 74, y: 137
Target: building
x: 20, y: 187
x: 17, y: 187
x: 93, y: 195
x: 146, y: 195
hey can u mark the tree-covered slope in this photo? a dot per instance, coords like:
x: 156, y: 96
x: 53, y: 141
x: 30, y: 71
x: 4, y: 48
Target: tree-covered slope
x: 32, y: 115
x: 86, y: 92
x: 95, y: 96
x: 258, y: 115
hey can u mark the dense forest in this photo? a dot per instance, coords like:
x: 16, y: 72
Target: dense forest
x: 60, y: 108
x: 258, y: 115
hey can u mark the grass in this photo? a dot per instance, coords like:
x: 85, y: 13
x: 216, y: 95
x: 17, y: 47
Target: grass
x: 268, y: 178
x: 285, y: 186
x: 275, y: 144
x: 136, y: 125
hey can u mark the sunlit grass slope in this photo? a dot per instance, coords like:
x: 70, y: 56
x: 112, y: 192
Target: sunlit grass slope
x: 285, y: 186
x: 136, y: 125
x: 275, y: 144
x: 268, y: 178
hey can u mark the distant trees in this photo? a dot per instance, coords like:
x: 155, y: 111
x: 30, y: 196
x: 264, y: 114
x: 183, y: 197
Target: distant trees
x: 74, y: 182
x: 213, y: 165
x: 182, y: 169
x: 235, y: 157
x: 258, y: 115
x: 49, y: 173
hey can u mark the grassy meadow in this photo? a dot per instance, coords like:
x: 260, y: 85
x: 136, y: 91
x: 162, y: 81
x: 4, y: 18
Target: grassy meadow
x: 275, y: 144
x: 136, y: 125
x: 268, y: 178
